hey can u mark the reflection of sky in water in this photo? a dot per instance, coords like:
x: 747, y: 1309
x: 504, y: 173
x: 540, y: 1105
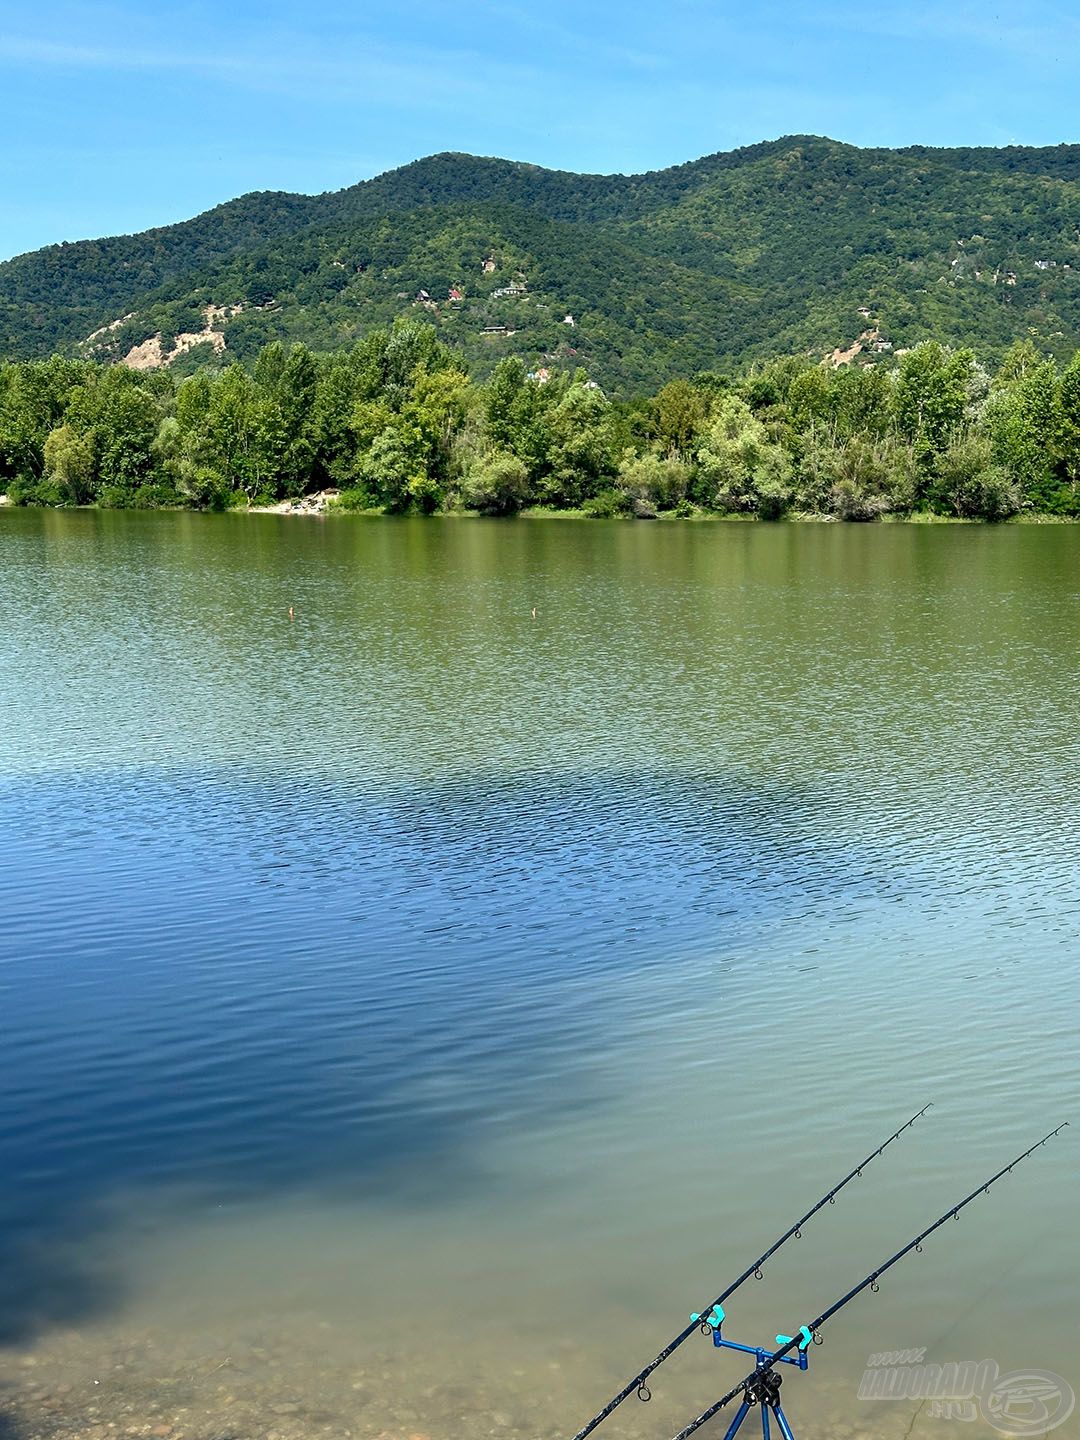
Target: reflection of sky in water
x: 561, y: 963
x: 240, y: 987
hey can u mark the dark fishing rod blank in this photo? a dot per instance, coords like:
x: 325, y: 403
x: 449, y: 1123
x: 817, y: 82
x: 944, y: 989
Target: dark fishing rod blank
x: 702, y: 1321
x: 746, y: 1385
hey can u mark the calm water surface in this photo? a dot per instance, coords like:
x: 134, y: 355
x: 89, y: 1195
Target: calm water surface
x: 412, y: 1009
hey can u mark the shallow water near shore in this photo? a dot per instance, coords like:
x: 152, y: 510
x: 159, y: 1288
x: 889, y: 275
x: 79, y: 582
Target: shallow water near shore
x: 413, y: 1008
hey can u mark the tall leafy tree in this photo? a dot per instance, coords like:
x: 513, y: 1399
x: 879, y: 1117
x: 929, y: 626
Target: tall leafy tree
x: 934, y: 389
x: 1024, y: 426
x: 582, y: 454
x: 680, y: 413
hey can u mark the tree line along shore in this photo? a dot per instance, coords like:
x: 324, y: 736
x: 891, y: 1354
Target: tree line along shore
x: 395, y: 424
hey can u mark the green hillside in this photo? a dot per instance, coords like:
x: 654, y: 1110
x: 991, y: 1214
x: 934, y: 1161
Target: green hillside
x: 797, y: 245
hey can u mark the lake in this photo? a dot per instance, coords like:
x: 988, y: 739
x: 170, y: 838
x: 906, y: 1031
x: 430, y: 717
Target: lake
x: 413, y: 1007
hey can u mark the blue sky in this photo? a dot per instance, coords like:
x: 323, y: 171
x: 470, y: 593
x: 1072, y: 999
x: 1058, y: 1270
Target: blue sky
x: 138, y: 112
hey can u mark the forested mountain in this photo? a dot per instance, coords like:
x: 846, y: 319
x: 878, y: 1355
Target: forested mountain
x: 797, y: 245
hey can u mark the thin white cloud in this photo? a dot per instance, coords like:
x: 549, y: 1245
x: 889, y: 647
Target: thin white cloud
x: 31, y: 51
x: 367, y: 71
x: 1037, y: 32
x: 574, y: 42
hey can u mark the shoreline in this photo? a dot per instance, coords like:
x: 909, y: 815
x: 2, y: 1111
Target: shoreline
x: 324, y: 505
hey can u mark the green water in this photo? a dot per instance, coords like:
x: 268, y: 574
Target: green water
x: 415, y: 1005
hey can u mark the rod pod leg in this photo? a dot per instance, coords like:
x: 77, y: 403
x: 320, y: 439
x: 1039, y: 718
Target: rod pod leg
x: 766, y: 1432
x: 743, y: 1411
x: 782, y: 1421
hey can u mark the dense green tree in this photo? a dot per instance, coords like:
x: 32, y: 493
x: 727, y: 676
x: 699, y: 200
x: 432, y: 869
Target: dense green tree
x: 812, y: 397
x: 395, y: 423
x: 658, y: 481
x: 680, y: 413
x: 862, y: 400
x: 1069, y: 435
x: 1023, y: 422
x: 437, y: 408
x: 515, y: 410
x: 391, y: 472
x: 736, y: 459
x: 933, y: 392
x: 338, y: 388
x: 235, y: 444
x: 122, y: 417
x: 768, y: 386
x: 504, y: 401
x: 582, y: 445
x: 973, y: 484
x: 70, y: 464
x: 497, y: 484
x: 33, y: 401
x: 1021, y: 358
x: 286, y: 382
x: 861, y: 478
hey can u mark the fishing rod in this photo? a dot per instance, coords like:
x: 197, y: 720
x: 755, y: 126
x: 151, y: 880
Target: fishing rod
x: 713, y: 1315
x: 759, y: 1387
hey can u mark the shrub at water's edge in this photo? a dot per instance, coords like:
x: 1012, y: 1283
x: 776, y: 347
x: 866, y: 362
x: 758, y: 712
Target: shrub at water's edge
x: 395, y: 425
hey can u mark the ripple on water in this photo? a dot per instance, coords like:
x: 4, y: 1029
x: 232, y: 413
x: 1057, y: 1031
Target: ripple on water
x: 417, y: 954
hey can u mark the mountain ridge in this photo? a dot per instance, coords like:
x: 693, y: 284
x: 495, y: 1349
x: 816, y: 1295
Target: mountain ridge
x: 798, y: 243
